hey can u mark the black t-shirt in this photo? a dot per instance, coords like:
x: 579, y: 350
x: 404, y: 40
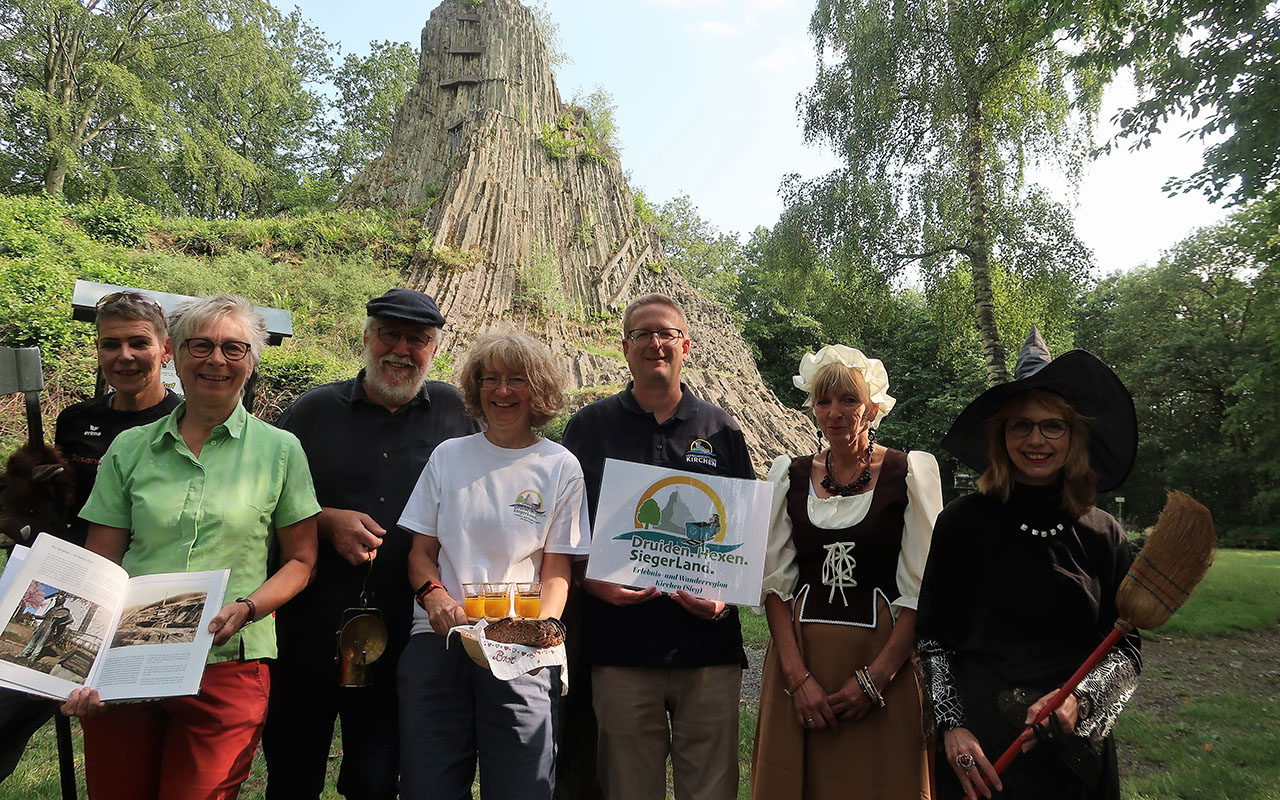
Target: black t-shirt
x: 365, y: 458
x: 84, y: 431
x: 657, y: 633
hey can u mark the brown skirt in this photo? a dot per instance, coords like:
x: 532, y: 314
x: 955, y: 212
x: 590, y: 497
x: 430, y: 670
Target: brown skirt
x: 887, y: 754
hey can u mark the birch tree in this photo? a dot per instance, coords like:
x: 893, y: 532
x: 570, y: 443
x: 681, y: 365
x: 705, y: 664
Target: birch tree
x: 938, y: 108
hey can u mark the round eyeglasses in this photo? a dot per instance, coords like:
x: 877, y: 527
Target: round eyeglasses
x: 232, y: 350
x: 1049, y: 428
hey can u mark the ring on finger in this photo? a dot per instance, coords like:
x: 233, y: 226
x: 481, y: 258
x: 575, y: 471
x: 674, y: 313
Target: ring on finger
x: 809, y: 721
x: 965, y: 761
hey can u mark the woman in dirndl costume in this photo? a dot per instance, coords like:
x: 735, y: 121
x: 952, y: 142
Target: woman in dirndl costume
x: 840, y: 700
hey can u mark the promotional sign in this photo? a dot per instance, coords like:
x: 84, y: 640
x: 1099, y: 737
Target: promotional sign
x: 680, y: 530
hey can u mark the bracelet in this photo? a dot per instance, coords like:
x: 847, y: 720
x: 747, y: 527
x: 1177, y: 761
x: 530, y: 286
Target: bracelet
x: 425, y: 589
x: 792, y: 691
x: 869, y: 686
x: 253, y: 609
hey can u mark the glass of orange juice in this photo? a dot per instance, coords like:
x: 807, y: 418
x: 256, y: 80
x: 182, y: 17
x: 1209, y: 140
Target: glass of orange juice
x: 497, y: 601
x: 473, y: 601
x: 529, y: 600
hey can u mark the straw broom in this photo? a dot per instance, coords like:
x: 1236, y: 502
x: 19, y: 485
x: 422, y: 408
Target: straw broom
x: 1171, y: 564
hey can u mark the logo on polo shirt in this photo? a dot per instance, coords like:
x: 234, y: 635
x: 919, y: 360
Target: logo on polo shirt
x: 528, y: 507
x: 93, y: 431
x: 700, y: 453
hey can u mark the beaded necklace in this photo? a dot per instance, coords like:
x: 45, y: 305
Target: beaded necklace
x: 829, y: 481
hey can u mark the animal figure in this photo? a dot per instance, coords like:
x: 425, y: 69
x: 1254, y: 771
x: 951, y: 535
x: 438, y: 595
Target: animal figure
x: 36, y: 492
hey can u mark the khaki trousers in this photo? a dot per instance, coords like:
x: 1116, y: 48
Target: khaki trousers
x: 646, y: 713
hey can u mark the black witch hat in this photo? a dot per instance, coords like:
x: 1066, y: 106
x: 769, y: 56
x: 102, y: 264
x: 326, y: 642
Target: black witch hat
x: 1087, y: 384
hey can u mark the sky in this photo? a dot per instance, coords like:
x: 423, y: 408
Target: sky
x: 706, y: 96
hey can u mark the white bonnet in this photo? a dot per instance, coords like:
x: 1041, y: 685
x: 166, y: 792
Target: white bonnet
x: 872, y: 370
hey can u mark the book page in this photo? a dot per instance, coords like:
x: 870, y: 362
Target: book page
x: 161, y: 639
x: 57, y: 614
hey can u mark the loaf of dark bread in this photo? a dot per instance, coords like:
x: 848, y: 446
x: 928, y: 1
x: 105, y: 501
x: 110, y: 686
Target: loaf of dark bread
x: 529, y: 632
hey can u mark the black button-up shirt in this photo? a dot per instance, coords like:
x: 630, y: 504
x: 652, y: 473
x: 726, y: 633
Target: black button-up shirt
x: 365, y: 458
x: 657, y: 633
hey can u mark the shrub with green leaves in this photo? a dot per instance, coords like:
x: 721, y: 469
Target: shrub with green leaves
x: 114, y: 219
x: 538, y: 283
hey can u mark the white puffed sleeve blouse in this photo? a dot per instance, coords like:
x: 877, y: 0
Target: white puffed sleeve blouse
x: 924, y: 501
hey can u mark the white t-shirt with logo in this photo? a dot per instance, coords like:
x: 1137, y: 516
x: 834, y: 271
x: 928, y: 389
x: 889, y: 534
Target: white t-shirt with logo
x: 496, y: 510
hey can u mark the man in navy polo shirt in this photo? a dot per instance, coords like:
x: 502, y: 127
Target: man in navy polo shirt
x: 367, y: 440
x: 666, y: 670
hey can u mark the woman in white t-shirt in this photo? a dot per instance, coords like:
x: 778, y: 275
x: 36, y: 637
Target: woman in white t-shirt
x: 504, y: 505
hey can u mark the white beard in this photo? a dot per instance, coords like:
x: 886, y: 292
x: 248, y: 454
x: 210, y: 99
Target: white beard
x: 398, y: 392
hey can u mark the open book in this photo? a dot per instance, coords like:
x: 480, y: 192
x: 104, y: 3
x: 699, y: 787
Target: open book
x: 73, y: 618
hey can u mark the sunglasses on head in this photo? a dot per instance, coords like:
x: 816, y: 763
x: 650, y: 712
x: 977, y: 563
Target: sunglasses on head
x: 125, y: 297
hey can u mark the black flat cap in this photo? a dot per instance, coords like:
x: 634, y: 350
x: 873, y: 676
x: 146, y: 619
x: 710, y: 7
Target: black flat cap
x: 406, y: 305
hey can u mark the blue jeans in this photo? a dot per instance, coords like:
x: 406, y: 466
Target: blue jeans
x: 454, y: 714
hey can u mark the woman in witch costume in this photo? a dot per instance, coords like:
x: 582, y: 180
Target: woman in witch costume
x: 840, y: 702
x: 1021, y: 583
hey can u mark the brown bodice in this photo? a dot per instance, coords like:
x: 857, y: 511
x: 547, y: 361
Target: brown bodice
x: 861, y: 560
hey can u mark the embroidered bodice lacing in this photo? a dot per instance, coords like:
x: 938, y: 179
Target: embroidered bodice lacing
x: 837, y: 569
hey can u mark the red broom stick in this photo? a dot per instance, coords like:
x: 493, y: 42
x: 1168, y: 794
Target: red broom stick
x: 1175, y: 558
x: 1059, y: 698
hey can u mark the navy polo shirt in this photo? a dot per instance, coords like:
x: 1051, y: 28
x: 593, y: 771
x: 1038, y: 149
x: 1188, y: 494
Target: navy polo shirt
x: 657, y: 633
x: 366, y: 458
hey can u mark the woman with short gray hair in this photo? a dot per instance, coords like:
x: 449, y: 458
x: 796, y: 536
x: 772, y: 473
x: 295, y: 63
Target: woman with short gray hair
x: 207, y: 487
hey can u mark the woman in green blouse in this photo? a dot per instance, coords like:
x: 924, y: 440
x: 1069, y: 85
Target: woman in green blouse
x: 207, y: 487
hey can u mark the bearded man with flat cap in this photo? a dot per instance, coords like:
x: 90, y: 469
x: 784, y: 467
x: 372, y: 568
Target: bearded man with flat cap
x: 367, y: 440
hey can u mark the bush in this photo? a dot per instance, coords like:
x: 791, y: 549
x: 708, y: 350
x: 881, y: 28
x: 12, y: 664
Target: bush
x: 556, y: 141
x: 554, y: 429
x: 114, y: 219
x: 1232, y: 536
x: 538, y: 282
x: 286, y: 372
x: 41, y: 256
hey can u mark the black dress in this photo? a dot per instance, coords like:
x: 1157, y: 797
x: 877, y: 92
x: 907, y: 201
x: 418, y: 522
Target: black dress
x: 1016, y: 596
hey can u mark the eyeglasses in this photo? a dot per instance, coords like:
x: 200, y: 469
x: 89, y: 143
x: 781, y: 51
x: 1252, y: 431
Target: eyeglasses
x: 514, y: 383
x: 664, y: 335
x: 200, y: 347
x: 392, y: 337
x: 125, y: 297
x: 1049, y: 428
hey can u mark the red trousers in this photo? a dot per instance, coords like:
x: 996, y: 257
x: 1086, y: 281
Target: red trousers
x: 182, y: 748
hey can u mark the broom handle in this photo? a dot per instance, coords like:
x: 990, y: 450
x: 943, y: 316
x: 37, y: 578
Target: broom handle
x: 1057, y: 699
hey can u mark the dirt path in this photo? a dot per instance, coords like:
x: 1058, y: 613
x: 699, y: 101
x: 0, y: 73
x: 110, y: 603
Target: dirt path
x: 1174, y: 669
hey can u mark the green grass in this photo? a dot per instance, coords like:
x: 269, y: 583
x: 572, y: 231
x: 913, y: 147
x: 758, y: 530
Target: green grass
x: 36, y: 776
x: 1216, y: 747
x: 596, y: 350
x: 1222, y: 745
x: 755, y: 628
x: 1238, y: 595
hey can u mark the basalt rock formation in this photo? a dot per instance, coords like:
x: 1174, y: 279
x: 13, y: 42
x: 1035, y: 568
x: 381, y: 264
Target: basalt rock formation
x: 529, y: 222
